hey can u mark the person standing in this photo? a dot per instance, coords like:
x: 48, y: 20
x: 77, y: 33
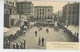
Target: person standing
x: 8, y: 43
x: 58, y: 29
x: 54, y: 29
x: 24, y: 43
x: 39, y: 41
x: 35, y: 33
x: 42, y: 41
x: 21, y: 45
x: 67, y: 25
x: 17, y: 46
x: 41, y: 28
x: 77, y: 35
x: 47, y: 30
x: 14, y: 45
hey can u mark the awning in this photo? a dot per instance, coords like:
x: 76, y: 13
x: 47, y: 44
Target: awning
x: 11, y: 31
x: 26, y: 20
x: 6, y: 29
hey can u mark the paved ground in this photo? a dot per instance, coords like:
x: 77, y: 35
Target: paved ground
x: 73, y: 28
x: 32, y: 41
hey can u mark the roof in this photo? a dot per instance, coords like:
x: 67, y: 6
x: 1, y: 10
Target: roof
x: 72, y: 4
x: 9, y: 31
x: 43, y: 7
x: 25, y: 2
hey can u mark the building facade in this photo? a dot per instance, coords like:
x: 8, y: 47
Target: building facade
x: 10, y: 6
x: 43, y: 13
x: 9, y: 10
x: 25, y: 7
x: 71, y: 13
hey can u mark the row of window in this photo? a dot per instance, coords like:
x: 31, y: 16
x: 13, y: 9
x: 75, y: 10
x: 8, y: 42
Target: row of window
x: 72, y: 7
x: 71, y: 12
x: 40, y: 19
x: 11, y: 3
x: 9, y: 11
x: 40, y: 13
x: 44, y: 16
x: 75, y: 7
x: 21, y: 7
x: 44, y: 19
x: 73, y: 22
x: 43, y: 10
x: 24, y: 6
x: 70, y: 17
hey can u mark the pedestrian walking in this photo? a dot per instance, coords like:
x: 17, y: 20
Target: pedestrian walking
x: 42, y: 41
x: 47, y: 30
x: 35, y: 33
x: 39, y: 41
x: 24, y: 42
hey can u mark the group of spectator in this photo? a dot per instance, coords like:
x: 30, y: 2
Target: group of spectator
x: 19, y: 45
x: 13, y: 36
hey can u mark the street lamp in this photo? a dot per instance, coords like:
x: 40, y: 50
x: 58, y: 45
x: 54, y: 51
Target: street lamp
x: 67, y: 23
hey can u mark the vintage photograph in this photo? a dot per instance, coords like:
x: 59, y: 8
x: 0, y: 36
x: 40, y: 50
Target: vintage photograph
x: 29, y: 24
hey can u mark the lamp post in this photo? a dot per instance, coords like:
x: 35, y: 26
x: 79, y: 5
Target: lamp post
x: 67, y: 23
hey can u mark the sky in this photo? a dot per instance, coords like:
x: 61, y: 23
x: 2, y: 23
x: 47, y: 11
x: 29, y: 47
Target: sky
x: 57, y: 5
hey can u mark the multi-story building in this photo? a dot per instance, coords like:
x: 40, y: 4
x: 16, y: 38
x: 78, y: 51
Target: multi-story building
x: 25, y: 7
x: 9, y: 10
x: 43, y: 13
x: 71, y: 13
x: 10, y: 6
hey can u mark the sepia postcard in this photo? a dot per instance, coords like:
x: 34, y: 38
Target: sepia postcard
x: 37, y: 24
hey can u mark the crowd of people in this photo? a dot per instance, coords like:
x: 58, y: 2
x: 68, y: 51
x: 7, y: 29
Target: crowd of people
x: 74, y: 36
x: 13, y: 37
x: 19, y: 45
x: 56, y: 29
x: 7, y: 44
x: 41, y: 40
